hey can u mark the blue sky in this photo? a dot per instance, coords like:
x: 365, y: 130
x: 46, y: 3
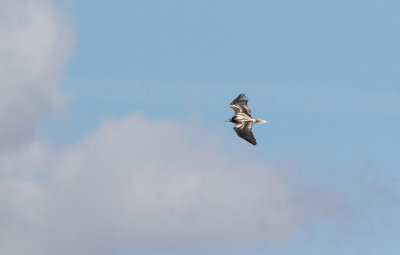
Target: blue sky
x: 324, y: 70
x: 324, y: 74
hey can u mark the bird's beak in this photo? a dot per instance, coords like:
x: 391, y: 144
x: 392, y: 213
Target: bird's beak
x: 227, y: 120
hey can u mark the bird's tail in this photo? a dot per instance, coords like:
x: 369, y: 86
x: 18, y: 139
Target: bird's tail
x: 260, y: 121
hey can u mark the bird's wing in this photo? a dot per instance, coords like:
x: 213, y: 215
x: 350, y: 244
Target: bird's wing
x: 243, y: 129
x: 239, y: 105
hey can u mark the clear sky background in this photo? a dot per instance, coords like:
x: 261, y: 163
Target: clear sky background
x: 323, y: 73
x: 115, y: 90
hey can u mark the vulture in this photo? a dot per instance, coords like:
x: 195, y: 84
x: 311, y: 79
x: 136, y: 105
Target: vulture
x: 243, y: 120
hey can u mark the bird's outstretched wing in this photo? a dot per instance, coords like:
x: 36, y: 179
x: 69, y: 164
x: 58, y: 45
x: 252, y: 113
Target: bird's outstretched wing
x: 239, y: 105
x: 243, y: 129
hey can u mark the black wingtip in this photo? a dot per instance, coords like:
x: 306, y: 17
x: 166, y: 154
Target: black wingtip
x: 240, y: 98
x: 252, y: 141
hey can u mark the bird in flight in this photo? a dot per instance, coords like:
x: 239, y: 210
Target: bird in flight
x: 243, y: 120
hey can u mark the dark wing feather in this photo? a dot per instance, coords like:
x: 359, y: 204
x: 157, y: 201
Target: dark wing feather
x: 241, y: 99
x: 243, y: 129
x: 239, y: 105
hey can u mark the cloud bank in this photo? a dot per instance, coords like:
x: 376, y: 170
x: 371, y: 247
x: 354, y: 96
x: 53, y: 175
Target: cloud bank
x: 142, y: 185
x: 133, y: 185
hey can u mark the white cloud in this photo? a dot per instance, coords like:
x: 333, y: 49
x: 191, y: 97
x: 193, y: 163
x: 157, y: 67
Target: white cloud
x: 36, y: 42
x: 137, y: 184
